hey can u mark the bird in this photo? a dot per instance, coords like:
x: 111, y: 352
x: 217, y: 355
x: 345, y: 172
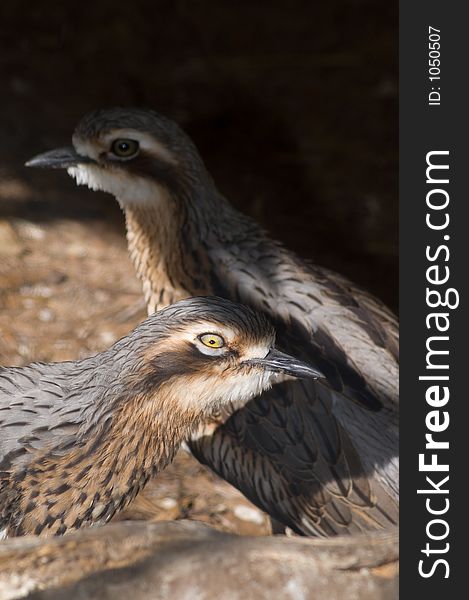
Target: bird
x: 79, y: 439
x: 320, y: 457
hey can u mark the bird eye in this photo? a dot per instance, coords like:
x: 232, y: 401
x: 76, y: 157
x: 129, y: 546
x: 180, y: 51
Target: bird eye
x: 125, y: 148
x: 212, y: 340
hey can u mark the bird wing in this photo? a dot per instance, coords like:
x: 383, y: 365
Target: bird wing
x: 289, y: 455
x: 35, y: 409
x: 319, y: 456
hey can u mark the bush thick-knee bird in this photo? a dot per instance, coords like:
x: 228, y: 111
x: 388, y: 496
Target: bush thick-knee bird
x: 78, y: 440
x: 318, y: 456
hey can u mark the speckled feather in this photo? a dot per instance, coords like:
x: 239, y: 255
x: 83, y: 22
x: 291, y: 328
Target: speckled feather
x: 78, y: 440
x: 320, y: 457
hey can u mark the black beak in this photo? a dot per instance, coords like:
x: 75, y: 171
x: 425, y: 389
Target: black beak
x: 62, y: 158
x: 278, y: 362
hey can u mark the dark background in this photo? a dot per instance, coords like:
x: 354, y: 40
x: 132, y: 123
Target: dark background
x: 293, y: 106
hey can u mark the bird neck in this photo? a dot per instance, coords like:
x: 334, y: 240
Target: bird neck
x: 169, y: 241
x: 137, y: 438
x: 101, y: 469
x: 155, y: 252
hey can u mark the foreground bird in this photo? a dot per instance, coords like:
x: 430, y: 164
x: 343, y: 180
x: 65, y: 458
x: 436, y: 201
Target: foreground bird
x: 78, y: 440
x: 320, y: 457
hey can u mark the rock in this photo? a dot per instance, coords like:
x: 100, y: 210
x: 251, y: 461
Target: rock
x: 246, y: 513
x: 46, y: 315
x: 187, y: 559
x: 167, y: 503
x: 29, y: 230
x: 107, y: 337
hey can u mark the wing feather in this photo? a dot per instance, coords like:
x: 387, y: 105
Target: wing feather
x: 318, y: 456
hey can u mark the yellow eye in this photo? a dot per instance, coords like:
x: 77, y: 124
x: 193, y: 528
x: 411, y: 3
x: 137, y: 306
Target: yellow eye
x: 125, y: 148
x: 212, y: 340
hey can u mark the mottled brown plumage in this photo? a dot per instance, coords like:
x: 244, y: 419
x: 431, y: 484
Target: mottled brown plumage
x: 320, y: 457
x: 78, y: 440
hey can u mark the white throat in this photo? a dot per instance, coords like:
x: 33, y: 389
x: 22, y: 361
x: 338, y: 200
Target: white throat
x: 127, y: 189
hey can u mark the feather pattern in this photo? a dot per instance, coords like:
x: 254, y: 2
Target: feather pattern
x: 78, y: 440
x: 320, y: 457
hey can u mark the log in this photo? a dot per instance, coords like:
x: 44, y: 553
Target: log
x: 190, y: 560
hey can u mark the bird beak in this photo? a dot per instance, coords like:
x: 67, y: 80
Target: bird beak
x: 278, y: 362
x: 62, y: 158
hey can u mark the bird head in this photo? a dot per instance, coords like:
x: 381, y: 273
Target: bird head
x: 134, y: 154
x: 206, y: 352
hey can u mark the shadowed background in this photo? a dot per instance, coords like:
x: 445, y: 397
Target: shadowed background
x: 293, y: 106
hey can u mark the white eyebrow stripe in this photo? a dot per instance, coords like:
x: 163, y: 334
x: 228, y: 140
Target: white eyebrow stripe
x: 250, y: 351
x: 94, y: 147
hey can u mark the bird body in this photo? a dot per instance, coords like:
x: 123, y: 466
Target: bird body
x: 354, y: 347
x: 320, y: 457
x: 78, y: 440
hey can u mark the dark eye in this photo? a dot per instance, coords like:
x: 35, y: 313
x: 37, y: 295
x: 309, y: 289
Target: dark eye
x: 125, y: 148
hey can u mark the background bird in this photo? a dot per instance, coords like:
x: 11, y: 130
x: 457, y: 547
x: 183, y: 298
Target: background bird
x: 320, y: 457
x: 78, y: 440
